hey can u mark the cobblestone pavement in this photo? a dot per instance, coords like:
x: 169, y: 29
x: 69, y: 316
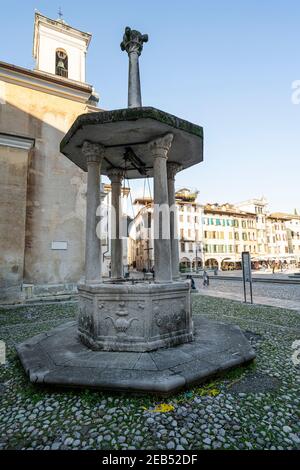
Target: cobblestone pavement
x: 280, y: 295
x: 256, y: 407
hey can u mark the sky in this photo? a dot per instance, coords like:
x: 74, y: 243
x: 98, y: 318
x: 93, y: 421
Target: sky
x: 228, y: 66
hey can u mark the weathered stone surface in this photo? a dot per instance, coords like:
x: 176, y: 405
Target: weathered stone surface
x: 34, y: 182
x: 134, y: 128
x: 172, y: 169
x: 59, y: 358
x: 94, y: 155
x: 133, y: 41
x: 119, y: 316
x: 116, y: 176
x: 162, y: 243
x: 133, y: 44
x: 13, y: 184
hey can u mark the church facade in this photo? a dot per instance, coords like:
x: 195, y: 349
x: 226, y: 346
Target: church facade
x: 42, y: 193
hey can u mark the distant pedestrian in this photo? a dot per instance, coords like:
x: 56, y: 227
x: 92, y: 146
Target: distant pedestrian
x: 190, y: 278
x: 205, y: 279
x: 215, y: 271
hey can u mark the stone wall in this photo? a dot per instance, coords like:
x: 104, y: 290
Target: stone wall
x: 13, y: 184
x: 42, y: 194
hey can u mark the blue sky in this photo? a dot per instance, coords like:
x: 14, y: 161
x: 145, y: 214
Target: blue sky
x: 226, y: 65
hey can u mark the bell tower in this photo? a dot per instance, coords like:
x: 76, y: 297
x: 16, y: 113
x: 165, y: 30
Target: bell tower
x: 59, y: 49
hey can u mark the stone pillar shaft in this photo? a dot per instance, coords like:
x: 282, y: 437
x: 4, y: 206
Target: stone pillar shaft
x: 173, y: 168
x: 162, y: 246
x: 116, y: 240
x: 134, y: 84
x: 133, y: 44
x: 94, y: 154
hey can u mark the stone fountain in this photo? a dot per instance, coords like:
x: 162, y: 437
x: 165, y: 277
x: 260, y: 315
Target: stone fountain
x: 133, y: 336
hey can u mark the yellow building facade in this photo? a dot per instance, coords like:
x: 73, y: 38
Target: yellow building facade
x: 215, y: 235
x: 42, y: 194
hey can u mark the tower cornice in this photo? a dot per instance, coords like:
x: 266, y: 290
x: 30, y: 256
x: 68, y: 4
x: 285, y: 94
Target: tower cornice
x: 56, y: 25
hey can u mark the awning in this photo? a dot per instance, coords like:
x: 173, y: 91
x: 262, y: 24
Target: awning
x: 275, y: 258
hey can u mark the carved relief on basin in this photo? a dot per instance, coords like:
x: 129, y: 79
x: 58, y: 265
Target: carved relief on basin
x: 134, y: 319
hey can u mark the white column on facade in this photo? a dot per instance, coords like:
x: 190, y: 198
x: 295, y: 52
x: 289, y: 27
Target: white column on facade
x: 172, y: 169
x: 116, y: 176
x: 94, y: 154
x: 162, y: 247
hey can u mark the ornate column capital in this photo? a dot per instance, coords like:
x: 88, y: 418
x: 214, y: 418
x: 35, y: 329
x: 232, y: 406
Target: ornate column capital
x: 115, y: 175
x: 133, y: 41
x: 161, y: 146
x: 93, y: 152
x: 172, y: 169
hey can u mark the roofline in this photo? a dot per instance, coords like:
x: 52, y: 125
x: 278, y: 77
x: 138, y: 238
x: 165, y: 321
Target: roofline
x: 258, y: 201
x: 37, y: 13
x: 138, y: 200
x: 207, y: 210
x: 48, y: 77
x: 283, y: 216
x: 56, y: 24
x: 107, y: 186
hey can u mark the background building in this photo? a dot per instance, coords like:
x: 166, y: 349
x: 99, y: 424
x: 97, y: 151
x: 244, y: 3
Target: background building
x: 189, y: 229
x: 106, y: 229
x: 141, y: 235
x: 291, y: 232
x: 42, y: 193
x: 215, y: 235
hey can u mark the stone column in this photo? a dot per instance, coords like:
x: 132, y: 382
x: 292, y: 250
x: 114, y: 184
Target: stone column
x: 133, y: 44
x: 162, y: 247
x: 116, y: 176
x: 94, y: 154
x: 172, y: 169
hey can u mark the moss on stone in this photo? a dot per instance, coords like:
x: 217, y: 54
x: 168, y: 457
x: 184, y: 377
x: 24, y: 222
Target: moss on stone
x: 131, y: 114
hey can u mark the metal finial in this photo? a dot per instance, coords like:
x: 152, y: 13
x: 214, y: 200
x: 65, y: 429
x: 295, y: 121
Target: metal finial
x: 60, y: 13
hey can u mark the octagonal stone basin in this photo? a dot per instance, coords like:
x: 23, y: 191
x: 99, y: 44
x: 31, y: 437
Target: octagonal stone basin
x: 134, y: 317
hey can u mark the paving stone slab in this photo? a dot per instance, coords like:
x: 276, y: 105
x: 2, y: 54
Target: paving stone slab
x: 59, y: 358
x: 256, y: 383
